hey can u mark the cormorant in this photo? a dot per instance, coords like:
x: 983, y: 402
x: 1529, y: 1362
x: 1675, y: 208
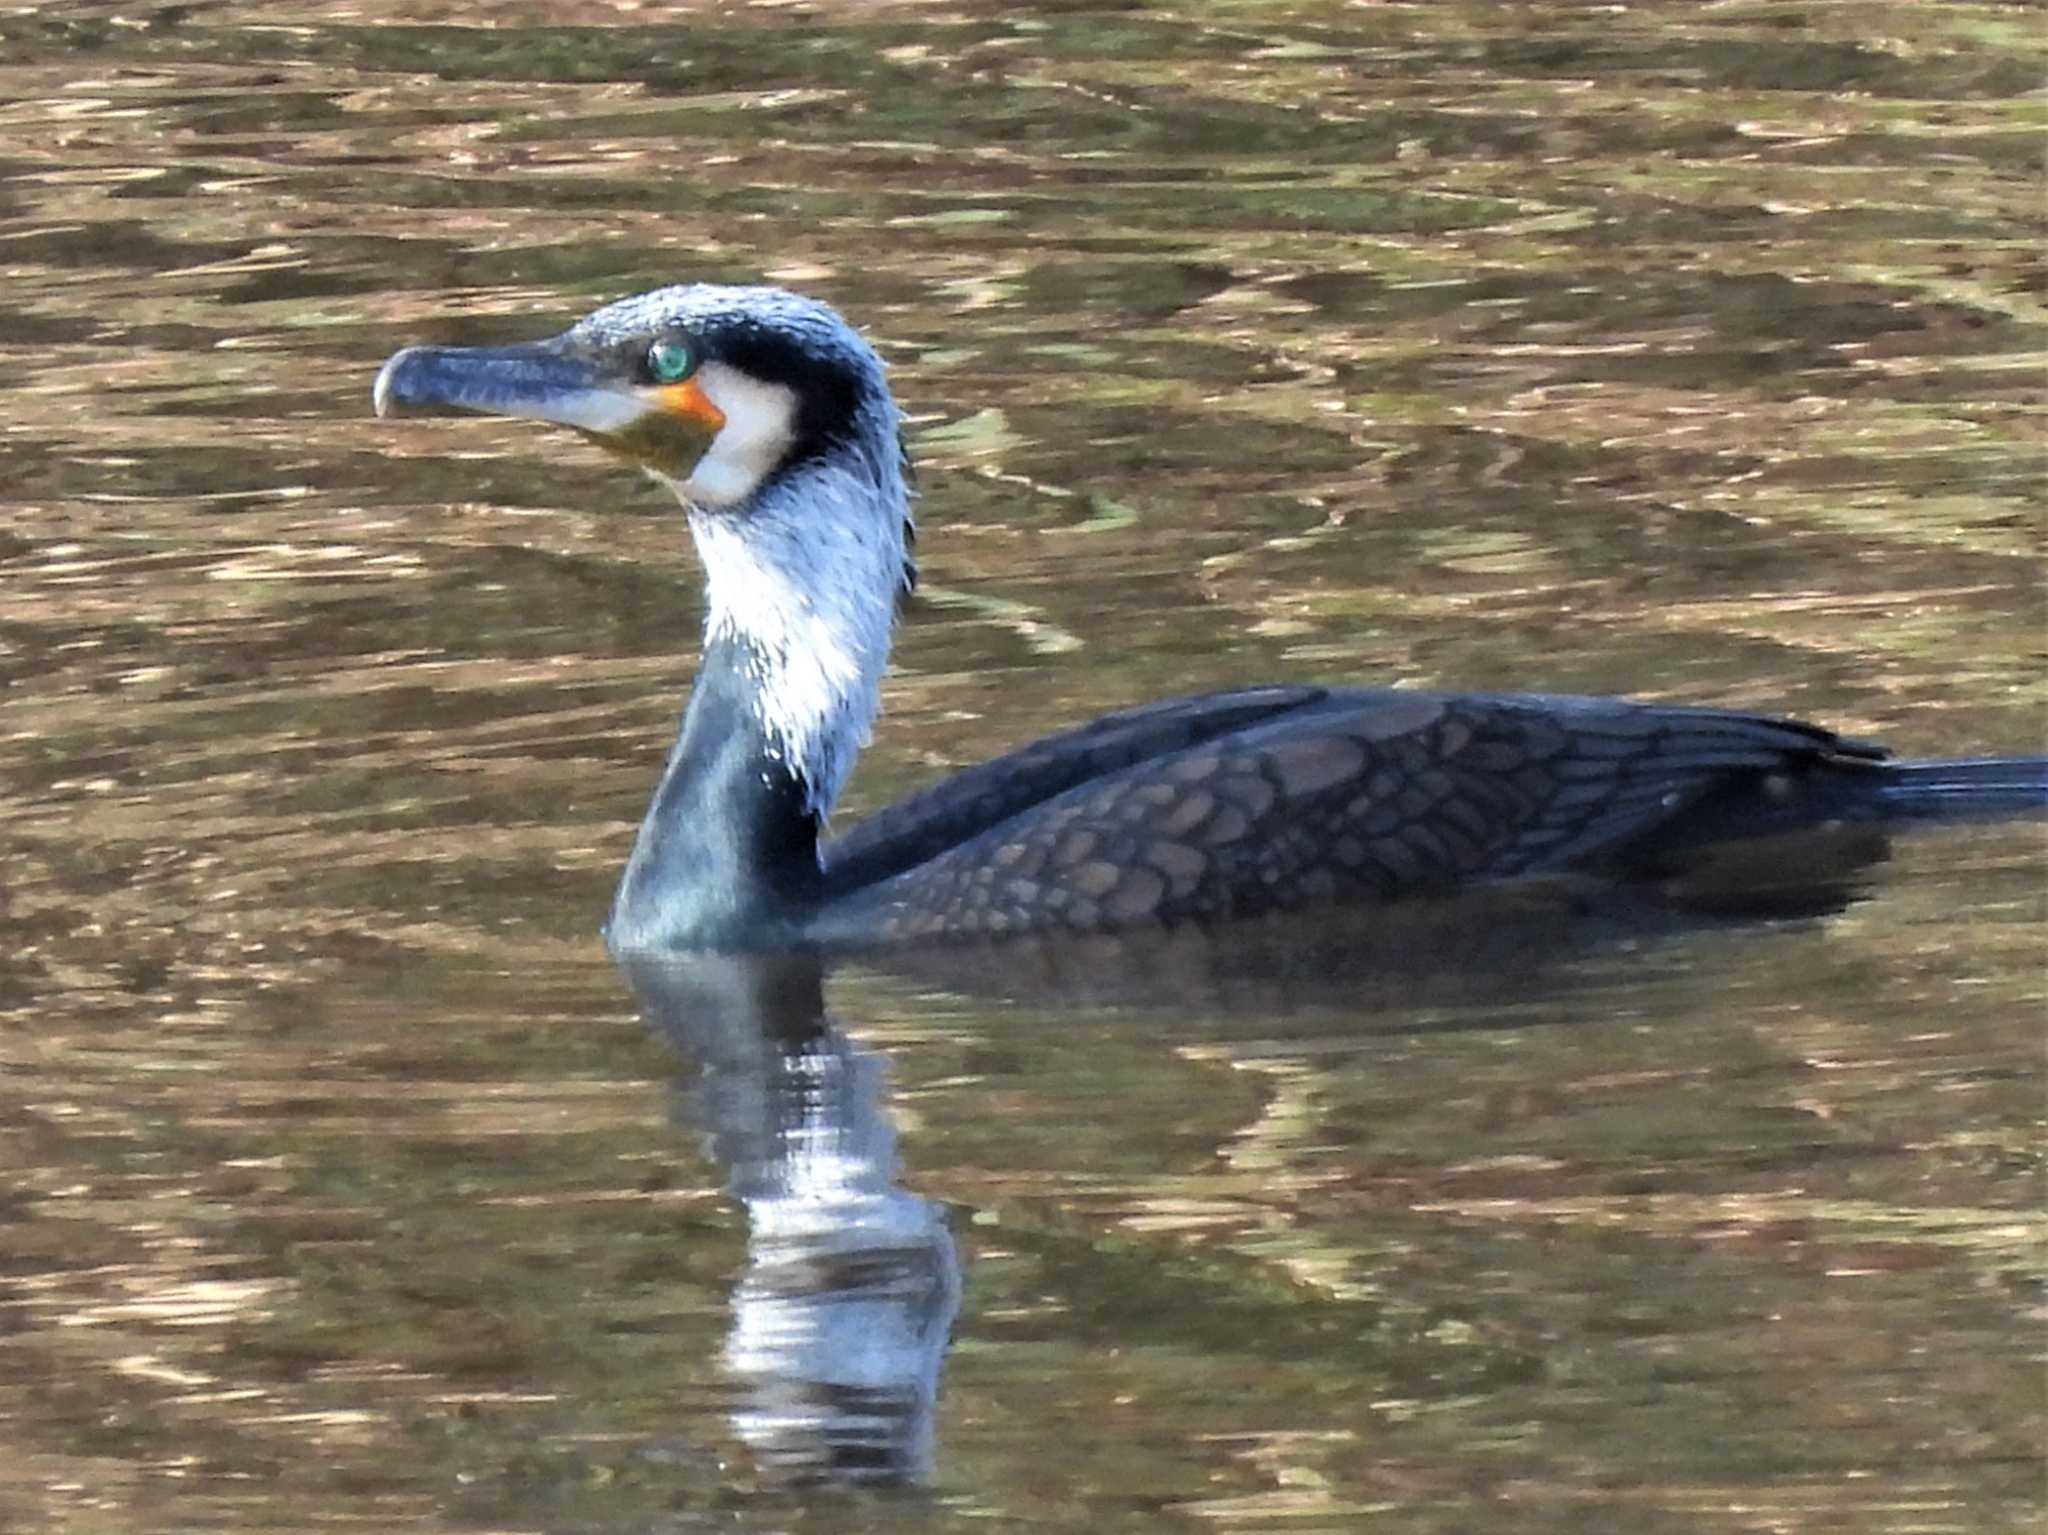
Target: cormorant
x: 769, y: 418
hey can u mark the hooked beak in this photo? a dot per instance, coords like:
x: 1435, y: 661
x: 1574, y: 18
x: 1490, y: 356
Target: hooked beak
x: 665, y: 427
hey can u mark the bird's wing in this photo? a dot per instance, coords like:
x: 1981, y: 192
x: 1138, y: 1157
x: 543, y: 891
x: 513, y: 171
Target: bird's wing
x: 1347, y: 794
x: 957, y: 809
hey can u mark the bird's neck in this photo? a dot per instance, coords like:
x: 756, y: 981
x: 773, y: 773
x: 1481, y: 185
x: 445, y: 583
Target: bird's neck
x: 728, y: 853
x: 804, y: 581
x: 801, y: 590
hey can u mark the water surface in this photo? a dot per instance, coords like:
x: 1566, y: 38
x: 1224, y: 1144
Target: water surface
x: 1692, y: 352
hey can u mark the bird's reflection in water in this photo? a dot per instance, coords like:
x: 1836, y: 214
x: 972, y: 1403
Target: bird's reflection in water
x: 841, y: 1320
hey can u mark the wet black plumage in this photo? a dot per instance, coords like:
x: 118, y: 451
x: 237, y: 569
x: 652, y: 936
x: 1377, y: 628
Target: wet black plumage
x: 1273, y: 800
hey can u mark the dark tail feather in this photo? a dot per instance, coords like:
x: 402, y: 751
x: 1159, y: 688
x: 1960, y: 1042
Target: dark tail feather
x: 1966, y: 789
x: 1771, y: 845
x: 1853, y: 793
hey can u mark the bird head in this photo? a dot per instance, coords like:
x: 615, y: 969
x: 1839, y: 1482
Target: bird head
x: 713, y: 390
x: 770, y: 419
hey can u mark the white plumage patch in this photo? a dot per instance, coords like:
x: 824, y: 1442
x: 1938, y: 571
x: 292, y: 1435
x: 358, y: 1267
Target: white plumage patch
x: 806, y: 576
x: 760, y: 424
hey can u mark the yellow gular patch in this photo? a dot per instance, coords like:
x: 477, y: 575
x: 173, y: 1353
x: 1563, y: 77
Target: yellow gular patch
x: 690, y: 402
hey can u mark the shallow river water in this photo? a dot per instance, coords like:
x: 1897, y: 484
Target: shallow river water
x: 1691, y: 351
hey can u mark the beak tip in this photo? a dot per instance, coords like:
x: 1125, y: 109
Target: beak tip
x: 385, y: 399
x: 536, y: 381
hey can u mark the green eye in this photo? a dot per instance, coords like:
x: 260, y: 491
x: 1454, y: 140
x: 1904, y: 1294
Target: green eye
x: 670, y: 362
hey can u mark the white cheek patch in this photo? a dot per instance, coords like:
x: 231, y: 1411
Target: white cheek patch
x: 760, y: 424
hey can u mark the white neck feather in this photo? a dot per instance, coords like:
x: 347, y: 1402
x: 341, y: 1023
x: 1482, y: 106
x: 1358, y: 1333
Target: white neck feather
x: 806, y: 575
